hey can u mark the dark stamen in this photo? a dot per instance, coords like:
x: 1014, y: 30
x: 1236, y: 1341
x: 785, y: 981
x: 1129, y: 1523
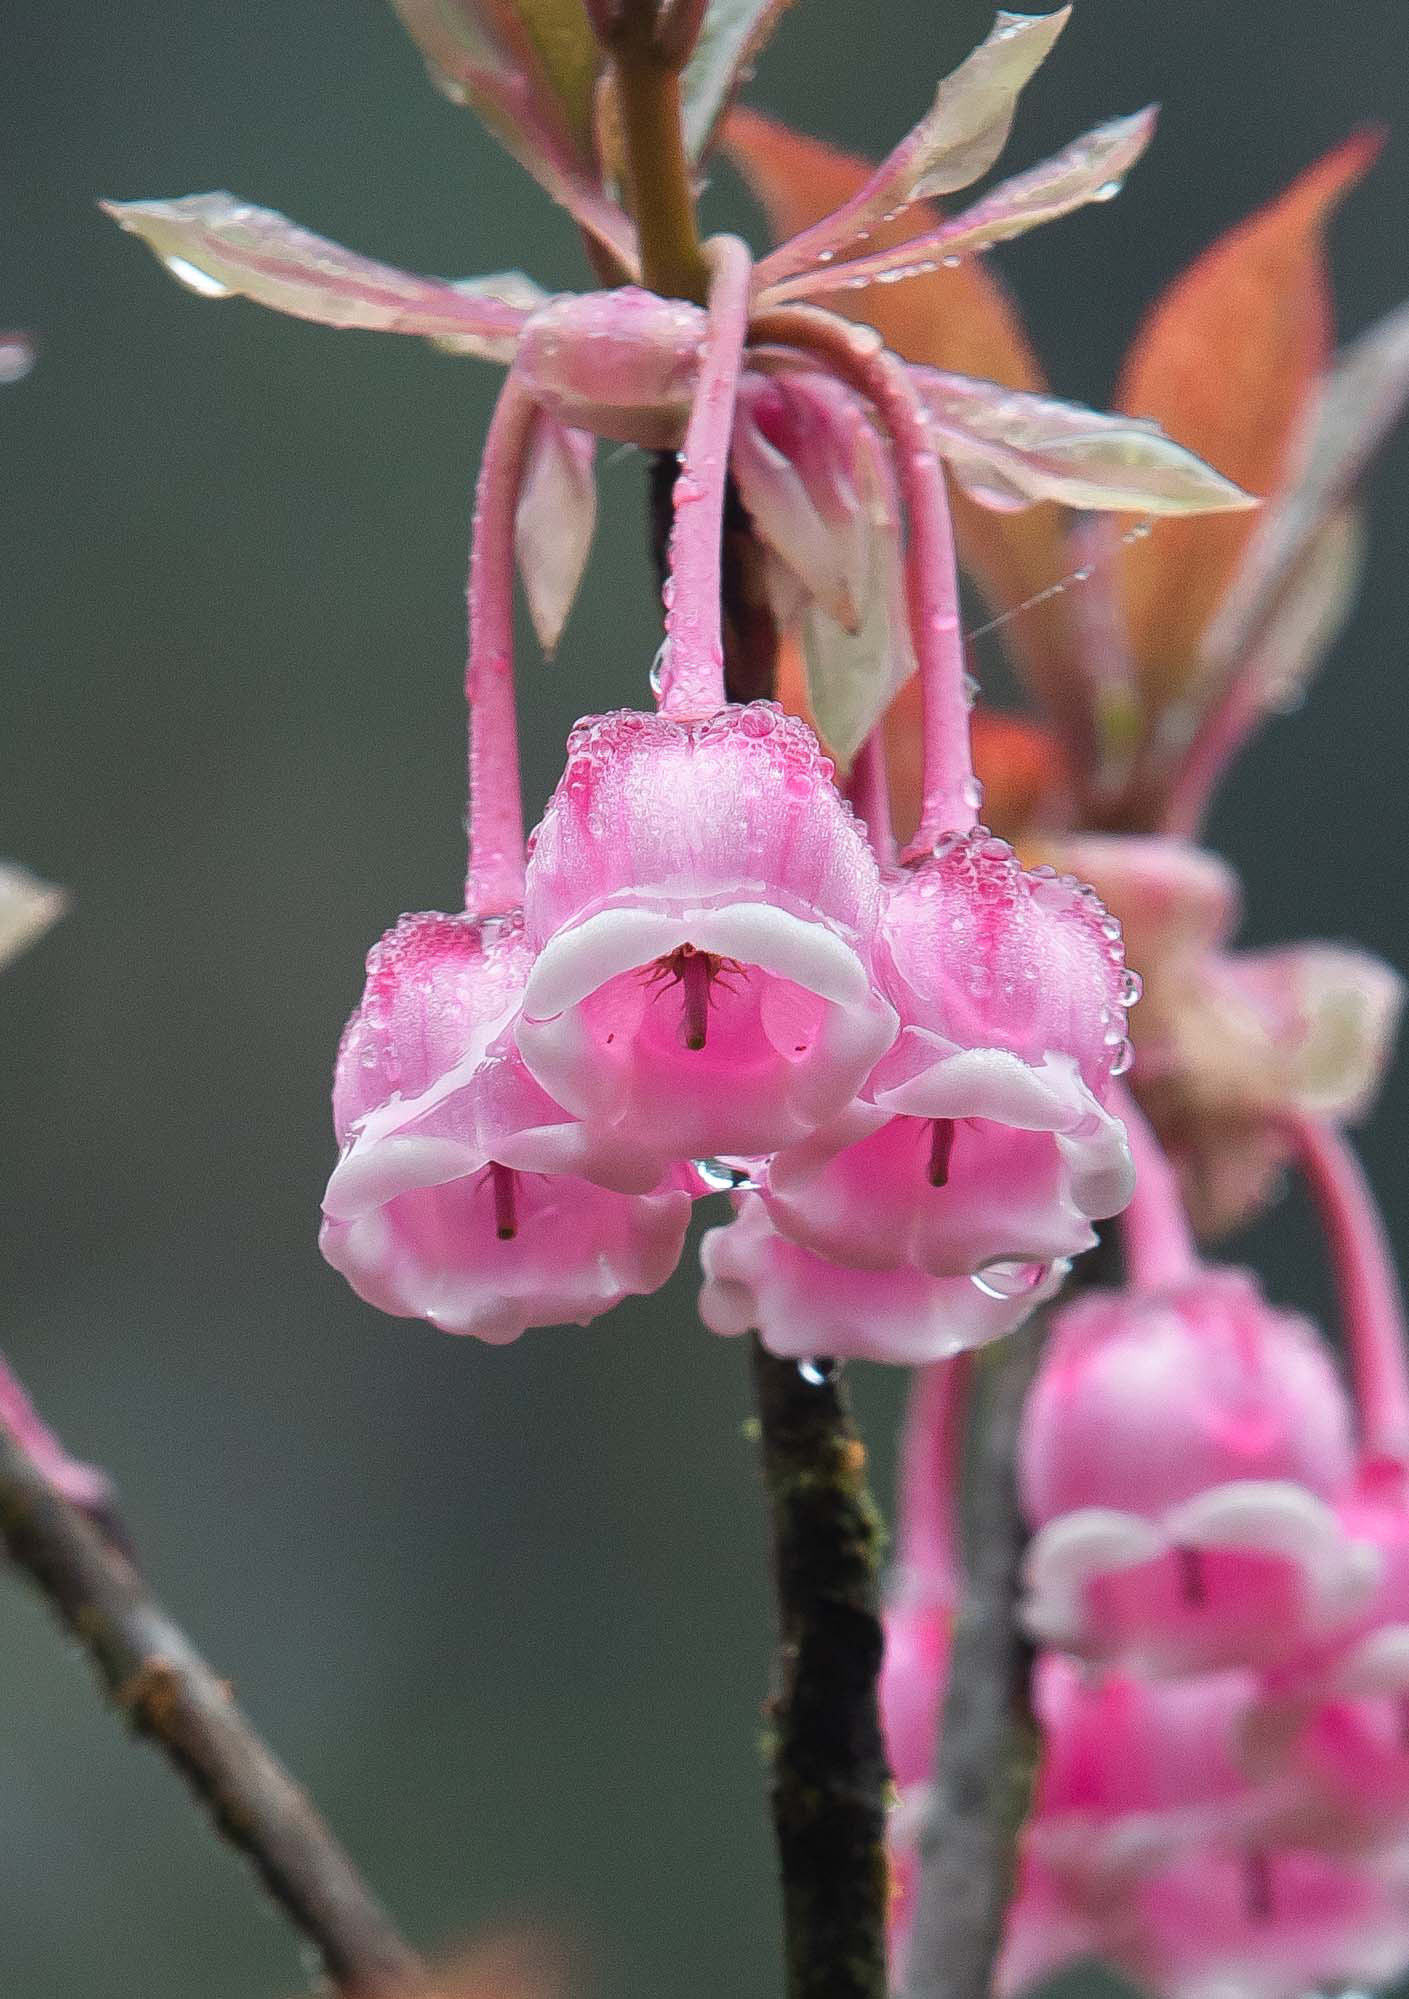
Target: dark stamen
x: 695, y: 975
x: 1191, y: 1577
x: 506, y: 1217
x: 1257, y: 1883
x: 941, y: 1149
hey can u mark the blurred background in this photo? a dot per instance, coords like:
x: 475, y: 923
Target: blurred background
x: 504, y: 1610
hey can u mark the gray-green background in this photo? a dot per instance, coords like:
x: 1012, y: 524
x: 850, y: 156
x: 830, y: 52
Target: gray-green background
x: 504, y: 1610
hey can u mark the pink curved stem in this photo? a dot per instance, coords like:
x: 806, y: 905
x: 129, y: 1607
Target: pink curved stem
x: 950, y: 794
x: 931, y: 1479
x: 869, y: 792
x: 1159, y: 1244
x: 1367, y: 1288
x: 1221, y: 733
x: 692, y: 664
x: 494, y: 883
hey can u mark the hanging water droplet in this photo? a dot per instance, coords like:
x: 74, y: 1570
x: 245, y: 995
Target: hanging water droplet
x: 971, y: 791
x: 657, y: 673
x: 951, y: 263
x: 1007, y: 1277
x: 1123, y: 1058
x: 970, y: 687
x: 195, y: 279
x: 819, y: 1372
x: 1131, y: 987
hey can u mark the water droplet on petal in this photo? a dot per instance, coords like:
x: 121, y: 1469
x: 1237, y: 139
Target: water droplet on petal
x: 1009, y: 1277
x: 195, y: 279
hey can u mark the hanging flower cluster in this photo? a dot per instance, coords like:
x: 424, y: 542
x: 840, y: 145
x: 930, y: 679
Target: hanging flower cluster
x: 704, y: 968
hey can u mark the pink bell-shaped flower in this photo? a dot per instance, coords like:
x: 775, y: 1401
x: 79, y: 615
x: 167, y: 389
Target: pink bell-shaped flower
x: 757, y: 1280
x: 1149, y: 1848
x: 454, y: 1200
x: 1220, y: 1922
x: 460, y: 1195
x: 1181, y: 1455
x: 700, y: 901
x: 984, y: 1140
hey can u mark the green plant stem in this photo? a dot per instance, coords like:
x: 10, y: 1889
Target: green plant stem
x: 658, y: 182
x: 169, y: 1694
x: 830, y: 1782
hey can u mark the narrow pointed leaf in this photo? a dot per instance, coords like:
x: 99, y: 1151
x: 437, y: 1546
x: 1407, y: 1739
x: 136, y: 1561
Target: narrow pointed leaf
x: 734, y: 32
x: 958, y: 139
x: 794, y: 465
x: 854, y: 675
x: 542, y: 51
x: 1361, y: 401
x: 221, y: 247
x: 528, y: 68
x: 1090, y: 169
x: 554, y: 523
x: 1009, y: 449
x: 1228, y: 361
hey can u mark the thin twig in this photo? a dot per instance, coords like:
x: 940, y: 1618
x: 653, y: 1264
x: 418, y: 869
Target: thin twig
x: 829, y: 1777
x: 168, y: 1692
x: 986, y: 1751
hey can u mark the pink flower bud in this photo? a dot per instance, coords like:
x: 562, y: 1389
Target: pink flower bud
x: 1180, y: 1456
x: 621, y: 364
x: 455, y: 1199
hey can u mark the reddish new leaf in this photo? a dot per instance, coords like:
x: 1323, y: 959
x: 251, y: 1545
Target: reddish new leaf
x: 1227, y: 362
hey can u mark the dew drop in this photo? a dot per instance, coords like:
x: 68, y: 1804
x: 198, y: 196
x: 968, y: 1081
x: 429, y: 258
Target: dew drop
x: 971, y: 791
x: 1008, y: 1277
x: 657, y: 673
x: 1131, y: 987
x: 819, y: 1372
x: 1108, y: 190
x: 1123, y: 1058
x: 195, y: 279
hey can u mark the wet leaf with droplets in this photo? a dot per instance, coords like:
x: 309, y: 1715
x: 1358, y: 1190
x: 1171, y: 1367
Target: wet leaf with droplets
x: 958, y: 139
x: 1090, y: 169
x: 221, y: 246
x: 1009, y: 449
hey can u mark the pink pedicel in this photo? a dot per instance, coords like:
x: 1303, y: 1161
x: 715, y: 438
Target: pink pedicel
x: 455, y: 1200
x: 800, y: 1305
x: 1332, y: 1731
x: 1181, y: 1456
x: 984, y: 1138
